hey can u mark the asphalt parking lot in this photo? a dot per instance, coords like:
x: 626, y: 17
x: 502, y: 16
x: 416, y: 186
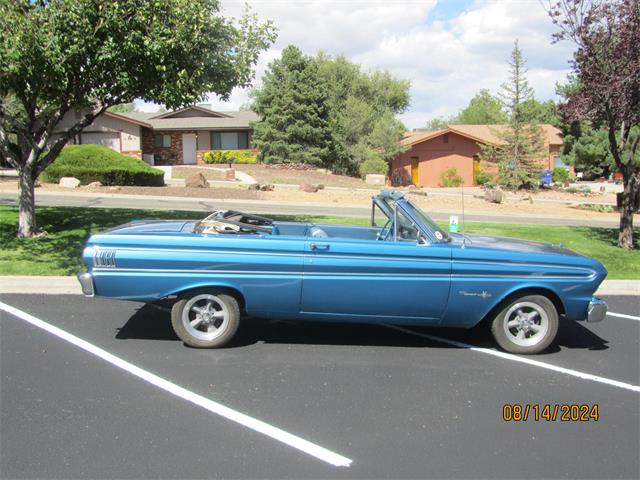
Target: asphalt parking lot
x: 397, y: 404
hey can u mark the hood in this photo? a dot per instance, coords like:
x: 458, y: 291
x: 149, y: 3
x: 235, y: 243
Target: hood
x: 155, y: 226
x: 510, y: 244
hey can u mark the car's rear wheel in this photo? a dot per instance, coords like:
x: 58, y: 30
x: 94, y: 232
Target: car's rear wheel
x: 528, y: 324
x: 206, y: 319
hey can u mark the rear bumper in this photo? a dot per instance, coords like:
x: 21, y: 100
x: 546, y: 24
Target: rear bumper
x: 597, y: 310
x: 86, y: 282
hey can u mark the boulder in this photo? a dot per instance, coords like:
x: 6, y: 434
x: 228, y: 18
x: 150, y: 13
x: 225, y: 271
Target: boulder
x: 254, y: 186
x: 267, y: 187
x: 494, y: 196
x: 69, y: 182
x: 230, y: 174
x: 307, y: 187
x: 196, y: 180
x: 95, y: 184
x: 374, y: 179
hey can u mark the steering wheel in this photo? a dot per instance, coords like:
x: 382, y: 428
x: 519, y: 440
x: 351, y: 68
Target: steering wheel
x: 385, y: 232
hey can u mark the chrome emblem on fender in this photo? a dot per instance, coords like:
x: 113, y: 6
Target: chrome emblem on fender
x: 483, y: 294
x: 104, y: 258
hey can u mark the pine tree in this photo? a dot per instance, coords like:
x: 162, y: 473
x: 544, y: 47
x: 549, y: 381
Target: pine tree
x: 522, y: 145
x: 292, y: 103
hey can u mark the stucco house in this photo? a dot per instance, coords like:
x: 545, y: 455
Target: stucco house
x: 430, y: 154
x: 168, y: 138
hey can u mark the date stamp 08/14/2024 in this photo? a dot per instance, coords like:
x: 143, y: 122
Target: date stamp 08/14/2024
x: 515, y: 412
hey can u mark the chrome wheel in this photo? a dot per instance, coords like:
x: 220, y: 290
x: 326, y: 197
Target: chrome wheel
x: 526, y: 324
x: 205, y: 317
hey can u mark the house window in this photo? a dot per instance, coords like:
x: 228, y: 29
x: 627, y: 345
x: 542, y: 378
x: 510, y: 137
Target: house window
x: 558, y: 163
x: 163, y: 141
x: 229, y: 140
x: 445, y: 138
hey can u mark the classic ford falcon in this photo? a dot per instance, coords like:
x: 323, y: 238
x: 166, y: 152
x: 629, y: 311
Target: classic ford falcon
x: 408, y: 271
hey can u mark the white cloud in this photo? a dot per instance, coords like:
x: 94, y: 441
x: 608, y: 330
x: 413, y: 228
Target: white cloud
x: 447, y: 59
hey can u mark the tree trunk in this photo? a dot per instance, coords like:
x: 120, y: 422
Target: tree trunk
x: 629, y: 205
x: 26, y: 205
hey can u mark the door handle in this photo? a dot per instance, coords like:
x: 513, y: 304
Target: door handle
x: 319, y: 246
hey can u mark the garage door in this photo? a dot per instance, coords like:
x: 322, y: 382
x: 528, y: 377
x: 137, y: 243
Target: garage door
x: 111, y: 140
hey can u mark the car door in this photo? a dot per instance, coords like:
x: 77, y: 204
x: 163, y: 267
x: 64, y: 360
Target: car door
x: 395, y: 280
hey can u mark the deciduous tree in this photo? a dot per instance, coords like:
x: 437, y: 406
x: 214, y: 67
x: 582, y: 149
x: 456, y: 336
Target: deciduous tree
x: 61, y: 56
x: 607, y: 68
x: 483, y: 109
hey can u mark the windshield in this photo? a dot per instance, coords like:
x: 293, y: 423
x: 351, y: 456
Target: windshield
x: 406, y: 229
x: 430, y: 224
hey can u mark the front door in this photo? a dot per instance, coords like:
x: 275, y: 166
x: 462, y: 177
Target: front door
x: 415, y: 171
x: 384, y: 279
x: 189, y: 148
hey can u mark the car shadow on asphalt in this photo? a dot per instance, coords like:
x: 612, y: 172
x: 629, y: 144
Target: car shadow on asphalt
x: 151, y: 322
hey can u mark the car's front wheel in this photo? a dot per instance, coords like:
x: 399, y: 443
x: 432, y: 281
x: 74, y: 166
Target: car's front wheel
x: 206, y: 319
x: 528, y: 324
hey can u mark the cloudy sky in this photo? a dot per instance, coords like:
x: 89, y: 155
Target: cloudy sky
x: 448, y: 49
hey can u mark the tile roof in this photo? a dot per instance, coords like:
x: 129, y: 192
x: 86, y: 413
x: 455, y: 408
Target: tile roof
x: 479, y: 133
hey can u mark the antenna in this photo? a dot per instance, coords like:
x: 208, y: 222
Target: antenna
x: 464, y: 238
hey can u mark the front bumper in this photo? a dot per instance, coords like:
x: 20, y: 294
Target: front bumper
x: 597, y: 310
x: 86, y: 282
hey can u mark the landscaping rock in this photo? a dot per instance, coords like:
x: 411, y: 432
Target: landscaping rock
x: 196, y: 180
x: 115, y: 189
x: 266, y: 188
x: 307, y: 187
x: 254, y: 186
x: 494, y: 196
x: 374, y: 179
x: 95, y: 184
x: 69, y: 182
x: 230, y: 174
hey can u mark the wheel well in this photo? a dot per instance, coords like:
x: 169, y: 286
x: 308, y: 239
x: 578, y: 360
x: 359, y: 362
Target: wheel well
x: 228, y: 290
x: 550, y: 294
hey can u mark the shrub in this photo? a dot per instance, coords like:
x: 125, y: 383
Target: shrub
x: 560, y: 175
x: 230, y: 156
x: 95, y: 163
x: 373, y: 165
x: 450, y: 178
x: 482, y: 178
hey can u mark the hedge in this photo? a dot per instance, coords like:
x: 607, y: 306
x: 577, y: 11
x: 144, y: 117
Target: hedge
x: 95, y: 163
x: 230, y: 156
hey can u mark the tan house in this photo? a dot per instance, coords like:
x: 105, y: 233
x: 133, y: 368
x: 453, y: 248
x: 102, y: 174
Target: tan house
x: 430, y: 154
x: 168, y: 138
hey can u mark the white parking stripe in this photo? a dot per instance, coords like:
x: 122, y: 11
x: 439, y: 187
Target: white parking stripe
x: 516, y: 358
x: 622, y: 315
x: 214, y: 407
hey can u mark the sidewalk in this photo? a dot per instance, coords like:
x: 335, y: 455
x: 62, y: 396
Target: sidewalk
x: 69, y: 285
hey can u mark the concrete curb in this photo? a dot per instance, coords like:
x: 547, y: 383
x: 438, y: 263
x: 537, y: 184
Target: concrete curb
x: 51, y: 285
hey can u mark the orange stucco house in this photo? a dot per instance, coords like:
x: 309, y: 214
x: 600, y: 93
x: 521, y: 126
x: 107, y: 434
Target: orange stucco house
x: 432, y: 153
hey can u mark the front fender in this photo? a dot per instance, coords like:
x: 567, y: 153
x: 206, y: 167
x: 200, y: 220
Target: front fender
x: 471, y: 301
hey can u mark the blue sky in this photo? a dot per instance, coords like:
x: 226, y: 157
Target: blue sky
x: 448, y: 49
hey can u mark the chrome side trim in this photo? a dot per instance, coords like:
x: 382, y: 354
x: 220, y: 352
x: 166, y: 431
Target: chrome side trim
x: 335, y: 274
x: 361, y: 257
x: 86, y: 282
x: 597, y: 310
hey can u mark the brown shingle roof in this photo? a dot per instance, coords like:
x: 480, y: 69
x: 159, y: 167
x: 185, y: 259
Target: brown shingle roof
x: 480, y: 133
x: 230, y: 120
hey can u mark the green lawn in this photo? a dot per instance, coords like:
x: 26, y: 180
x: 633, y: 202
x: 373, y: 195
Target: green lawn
x: 59, y: 252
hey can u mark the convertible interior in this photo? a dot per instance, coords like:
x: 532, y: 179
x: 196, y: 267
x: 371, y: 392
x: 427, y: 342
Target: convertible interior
x: 233, y: 222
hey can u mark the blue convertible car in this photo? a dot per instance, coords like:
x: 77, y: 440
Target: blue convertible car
x: 407, y: 271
